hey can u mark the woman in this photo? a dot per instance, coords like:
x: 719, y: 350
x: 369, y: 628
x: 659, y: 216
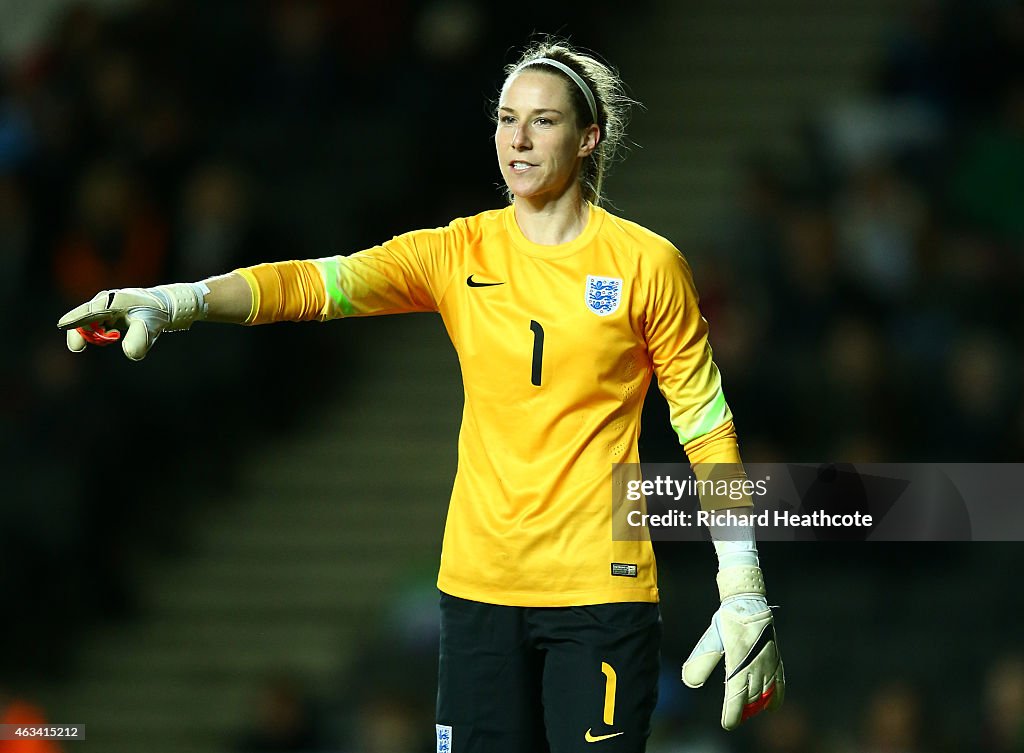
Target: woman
x: 561, y: 313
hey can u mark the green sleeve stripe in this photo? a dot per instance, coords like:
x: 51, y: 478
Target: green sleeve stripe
x: 713, y: 414
x: 330, y: 269
x: 254, y: 288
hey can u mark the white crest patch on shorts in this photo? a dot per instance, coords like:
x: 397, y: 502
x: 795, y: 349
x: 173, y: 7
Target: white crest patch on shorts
x: 444, y: 738
x: 603, y: 294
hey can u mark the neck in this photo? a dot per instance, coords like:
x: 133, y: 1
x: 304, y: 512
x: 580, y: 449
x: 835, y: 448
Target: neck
x: 552, y: 222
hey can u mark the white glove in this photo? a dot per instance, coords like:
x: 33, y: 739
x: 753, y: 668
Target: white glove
x: 744, y: 632
x: 146, y: 312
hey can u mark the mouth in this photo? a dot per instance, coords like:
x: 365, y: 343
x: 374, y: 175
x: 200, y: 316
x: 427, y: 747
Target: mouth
x: 518, y: 166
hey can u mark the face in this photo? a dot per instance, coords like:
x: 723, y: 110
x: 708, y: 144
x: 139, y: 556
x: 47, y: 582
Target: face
x: 540, y: 146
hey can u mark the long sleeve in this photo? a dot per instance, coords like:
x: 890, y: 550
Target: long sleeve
x: 406, y: 274
x: 677, y: 338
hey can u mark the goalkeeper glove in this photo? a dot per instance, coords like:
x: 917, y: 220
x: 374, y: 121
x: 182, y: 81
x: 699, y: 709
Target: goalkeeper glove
x: 146, y: 312
x: 743, y: 631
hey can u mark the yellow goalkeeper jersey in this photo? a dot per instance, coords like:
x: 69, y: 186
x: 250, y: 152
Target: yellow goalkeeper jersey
x: 557, y: 346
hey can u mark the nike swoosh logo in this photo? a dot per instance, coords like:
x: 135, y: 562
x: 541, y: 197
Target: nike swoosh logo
x: 766, y: 637
x: 598, y: 738
x: 474, y: 284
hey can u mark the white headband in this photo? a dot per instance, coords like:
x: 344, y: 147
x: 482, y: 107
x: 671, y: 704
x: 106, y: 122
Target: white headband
x: 571, y: 74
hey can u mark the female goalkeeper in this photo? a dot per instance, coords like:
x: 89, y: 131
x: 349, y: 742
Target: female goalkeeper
x: 561, y: 313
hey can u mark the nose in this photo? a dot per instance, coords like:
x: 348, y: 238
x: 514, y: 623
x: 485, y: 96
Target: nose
x: 520, y: 138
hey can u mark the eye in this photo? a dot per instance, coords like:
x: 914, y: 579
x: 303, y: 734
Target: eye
x: 543, y: 121
x: 506, y: 120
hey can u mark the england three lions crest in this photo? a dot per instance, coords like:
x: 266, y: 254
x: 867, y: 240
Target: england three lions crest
x: 603, y: 294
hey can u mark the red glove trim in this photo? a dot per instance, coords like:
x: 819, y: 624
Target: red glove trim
x: 752, y: 709
x: 96, y: 335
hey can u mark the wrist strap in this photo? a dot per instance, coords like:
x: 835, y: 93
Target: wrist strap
x: 187, y: 303
x: 740, y: 580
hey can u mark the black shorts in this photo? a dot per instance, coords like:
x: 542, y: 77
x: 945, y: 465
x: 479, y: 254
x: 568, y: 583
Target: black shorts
x: 546, y: 679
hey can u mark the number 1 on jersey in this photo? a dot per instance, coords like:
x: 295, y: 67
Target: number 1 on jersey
x: 538, y: 351
x: 610, y: 681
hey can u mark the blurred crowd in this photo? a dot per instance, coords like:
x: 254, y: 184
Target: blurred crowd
x: 866, y: 297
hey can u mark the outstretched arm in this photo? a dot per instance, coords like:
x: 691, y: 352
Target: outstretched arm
x: 145, y: 313
x: 405, y: 274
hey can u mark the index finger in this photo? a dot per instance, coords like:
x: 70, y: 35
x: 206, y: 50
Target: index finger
x: 95, y: 310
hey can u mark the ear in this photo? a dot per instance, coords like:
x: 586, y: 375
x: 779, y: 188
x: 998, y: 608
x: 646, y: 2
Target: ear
x: 591, y: 138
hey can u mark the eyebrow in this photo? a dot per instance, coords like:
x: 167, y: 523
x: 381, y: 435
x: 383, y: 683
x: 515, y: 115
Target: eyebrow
x: 534, y: 112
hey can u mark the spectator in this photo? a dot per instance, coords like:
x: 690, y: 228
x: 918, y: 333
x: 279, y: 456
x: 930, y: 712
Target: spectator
x: 14, y: 710
x: 285, y: 720
x: 116, y: 238
x: 892, y: 721
x: 1003, y: 725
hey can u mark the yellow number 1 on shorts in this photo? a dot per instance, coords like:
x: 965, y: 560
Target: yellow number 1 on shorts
x: 609, y: 693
